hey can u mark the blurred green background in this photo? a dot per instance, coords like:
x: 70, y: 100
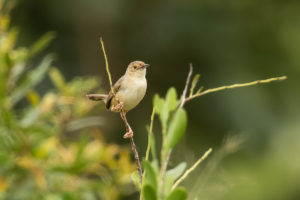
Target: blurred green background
x: 228, y: 42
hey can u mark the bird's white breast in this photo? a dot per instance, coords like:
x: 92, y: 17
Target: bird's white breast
x: 132, y: 92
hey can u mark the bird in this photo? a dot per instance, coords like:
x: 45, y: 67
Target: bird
x: 127, y: 93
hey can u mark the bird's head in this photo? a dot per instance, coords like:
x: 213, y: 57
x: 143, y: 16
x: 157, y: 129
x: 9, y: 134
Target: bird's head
x: 137, y: 69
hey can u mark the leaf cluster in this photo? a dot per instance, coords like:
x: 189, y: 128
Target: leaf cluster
x: 159, y: 182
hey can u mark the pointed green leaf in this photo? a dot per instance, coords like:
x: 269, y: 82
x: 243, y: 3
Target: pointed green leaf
x: 15, y: 73
x: 153, y: 148
x: 164, y: 115
x: 177, y: 194
x: 199, y: 90
x: 176, y: 129
x: 171, y: 99
x: 41, y: 43
x: 57, y: 79
x: 9, y: 41
x: 135, y: 177
x: 149, y: 192
x: 172, y: 175
x: 194, y: 83
x: 31, y: 116
x: 34, y: 77
x: 150, y: 174
x: 176, y: 171
x: 33, y: 98
x: 155, y: 166
x: 158, y: 103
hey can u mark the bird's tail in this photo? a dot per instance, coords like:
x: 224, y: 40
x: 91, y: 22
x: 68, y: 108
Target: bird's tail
x: 97, y: 97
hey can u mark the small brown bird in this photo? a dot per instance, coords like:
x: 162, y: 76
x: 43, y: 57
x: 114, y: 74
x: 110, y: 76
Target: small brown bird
x: 129, y: 90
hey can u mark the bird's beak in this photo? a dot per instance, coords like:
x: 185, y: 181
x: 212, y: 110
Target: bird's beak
x: 146, y: 65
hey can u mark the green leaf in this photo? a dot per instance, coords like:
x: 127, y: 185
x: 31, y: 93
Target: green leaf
x: 34, y: 77
x: 57, y: 79
x: 194, y: 83
x: 172, y: 175
x: 161, y: 108
x: 158, y: 103
x: 176, y: 171
x: 149, y: 192
x: 15, y: 73
x: 135, y: 177
x: 176, y: 129
x: 31, y: 116
x: 153, y: 148
x: 171, y: 99
x: 150, y: 174
x: 164, y: 115
x: 8, y: 42
x: 33, y: 98
x: 199, y: 90
x: 41, y: 43
x: 155, y: 166
x: 177, y: 194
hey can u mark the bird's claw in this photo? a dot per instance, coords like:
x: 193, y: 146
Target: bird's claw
x: 118, y: 107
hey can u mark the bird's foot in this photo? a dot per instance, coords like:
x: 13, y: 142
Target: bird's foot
x: 118, y: 107
x: 129, y: 134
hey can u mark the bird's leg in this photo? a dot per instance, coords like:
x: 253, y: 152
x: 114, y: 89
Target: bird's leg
x: 129, y: 133
x: 118, y: 107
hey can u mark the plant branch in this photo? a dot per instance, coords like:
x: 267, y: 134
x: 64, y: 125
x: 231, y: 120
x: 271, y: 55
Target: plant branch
x: 123, y: 116
x: 188, y: 171
x: 235, y: 86
x: 186, y: 86
x: 137, y: 159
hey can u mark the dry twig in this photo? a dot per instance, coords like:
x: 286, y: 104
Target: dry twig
x: 186, y: 86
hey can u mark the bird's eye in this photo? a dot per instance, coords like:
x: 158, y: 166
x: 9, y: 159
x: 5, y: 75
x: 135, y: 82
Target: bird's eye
x: 134, y: 67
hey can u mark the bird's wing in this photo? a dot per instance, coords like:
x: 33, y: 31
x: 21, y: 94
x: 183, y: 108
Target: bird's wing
x: 116, y: 88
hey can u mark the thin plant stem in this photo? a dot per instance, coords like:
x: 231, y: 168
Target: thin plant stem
x: 186, y: 86
x: 148, y: 147
x: 107, y: 66
x: 235, y: 86
x: 188, y: 171
x: 150, y: 135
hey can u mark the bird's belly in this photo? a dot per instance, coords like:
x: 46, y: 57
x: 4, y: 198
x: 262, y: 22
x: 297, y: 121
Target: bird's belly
x: 132, y: 96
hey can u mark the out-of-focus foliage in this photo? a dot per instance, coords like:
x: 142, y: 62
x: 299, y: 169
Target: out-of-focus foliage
x: 275, y: 174
x: 49, y: 146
